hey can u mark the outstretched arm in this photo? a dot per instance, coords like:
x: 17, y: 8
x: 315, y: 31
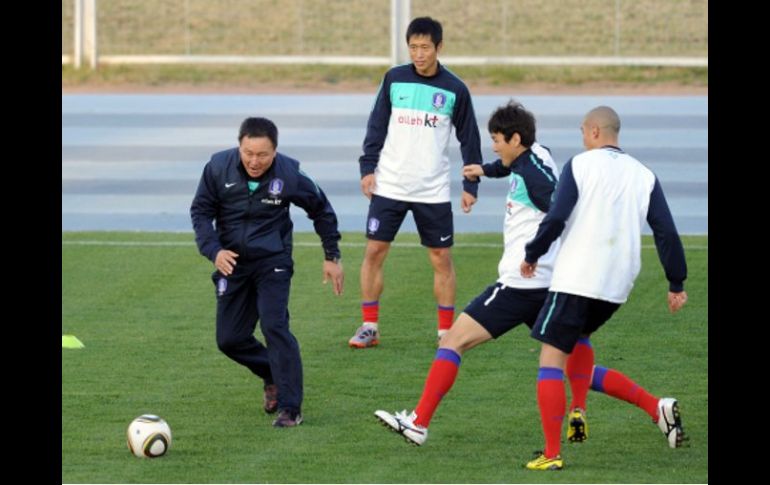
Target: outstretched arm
x: 552, y: 225
x: 495, y: 169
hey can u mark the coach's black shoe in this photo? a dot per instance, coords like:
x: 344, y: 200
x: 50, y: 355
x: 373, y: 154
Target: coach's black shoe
x: 288, y: 419
x: 271, y: 398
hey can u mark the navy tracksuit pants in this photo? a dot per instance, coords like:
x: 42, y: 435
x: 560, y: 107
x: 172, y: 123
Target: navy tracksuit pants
x: 259, y: 291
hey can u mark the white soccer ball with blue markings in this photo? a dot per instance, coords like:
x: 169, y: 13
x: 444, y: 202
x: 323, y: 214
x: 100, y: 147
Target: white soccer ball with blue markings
x: 149, y: 436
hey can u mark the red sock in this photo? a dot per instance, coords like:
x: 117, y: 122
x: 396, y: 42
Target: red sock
x: 446, y: 315
x: 619, y: 386
x: 551, y: 400
x: 440, y: 379
x: 579, y: 365
x: 370, y: 311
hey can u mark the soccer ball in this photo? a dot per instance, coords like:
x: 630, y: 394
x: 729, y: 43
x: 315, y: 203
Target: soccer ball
x: 148, y: 436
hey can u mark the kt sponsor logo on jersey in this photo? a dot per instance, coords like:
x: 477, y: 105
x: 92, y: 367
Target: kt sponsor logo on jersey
x: 428, y: 121
x: 509, y: 208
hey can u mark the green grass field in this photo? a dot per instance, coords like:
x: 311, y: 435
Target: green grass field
x: 319, y: 78
x: 143, y: 305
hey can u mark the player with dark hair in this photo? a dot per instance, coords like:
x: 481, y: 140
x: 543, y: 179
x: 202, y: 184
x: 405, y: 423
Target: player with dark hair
x: 514, y: 299
x: 405, y: 167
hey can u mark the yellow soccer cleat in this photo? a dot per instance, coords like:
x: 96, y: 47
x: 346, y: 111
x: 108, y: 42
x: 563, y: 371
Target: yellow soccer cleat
x: 577, y: 426
x: 544, y: 463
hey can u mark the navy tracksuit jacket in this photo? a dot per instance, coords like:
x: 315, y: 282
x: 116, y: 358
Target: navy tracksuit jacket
x: 256, y: 225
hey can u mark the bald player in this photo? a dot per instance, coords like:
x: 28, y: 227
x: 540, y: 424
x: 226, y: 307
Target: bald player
x: 603, y: 197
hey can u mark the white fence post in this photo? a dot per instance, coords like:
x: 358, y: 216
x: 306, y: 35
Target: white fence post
x: 78, y: 29
x: 617, y: 29
x: 400, y: 13
x: 89, y: 31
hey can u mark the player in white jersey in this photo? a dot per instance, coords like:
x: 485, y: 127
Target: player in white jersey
x: 512, y: 299
x: 405, y: 167
x: 603, y: 198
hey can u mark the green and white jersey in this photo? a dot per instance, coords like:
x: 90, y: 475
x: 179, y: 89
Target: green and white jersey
x: 532, y: 180
x: 408, y: 133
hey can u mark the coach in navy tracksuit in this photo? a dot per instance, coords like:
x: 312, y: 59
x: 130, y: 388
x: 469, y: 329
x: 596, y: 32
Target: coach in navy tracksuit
x: 241, y: 219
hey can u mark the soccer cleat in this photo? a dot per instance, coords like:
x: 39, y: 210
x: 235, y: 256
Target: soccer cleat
x: 670, y: 421
x: 544, y: 463
x: 367, y: 335
x: 404, y: 425
x: 577, y: 427
x: 287, y: 419
x: 271, y: 398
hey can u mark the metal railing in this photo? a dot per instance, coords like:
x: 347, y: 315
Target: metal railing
x: 371, y: 32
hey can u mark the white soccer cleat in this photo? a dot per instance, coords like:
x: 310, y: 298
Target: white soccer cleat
x: 670, y: 421
x: 404, y: 425
x: 367, y: 335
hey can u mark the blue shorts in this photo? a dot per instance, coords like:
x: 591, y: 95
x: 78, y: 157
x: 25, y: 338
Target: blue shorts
x: 434, y: 221
x: 565, y: 317
x: 500, y: 308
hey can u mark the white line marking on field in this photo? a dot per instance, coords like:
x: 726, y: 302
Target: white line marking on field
x: 89, y: 242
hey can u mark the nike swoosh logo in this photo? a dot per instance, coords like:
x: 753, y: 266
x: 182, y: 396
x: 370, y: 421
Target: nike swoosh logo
x: 227, y: 186
x: 402, y: 426
x: 444, y: 238
x: 278, y: 270
x: 401, y: 98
